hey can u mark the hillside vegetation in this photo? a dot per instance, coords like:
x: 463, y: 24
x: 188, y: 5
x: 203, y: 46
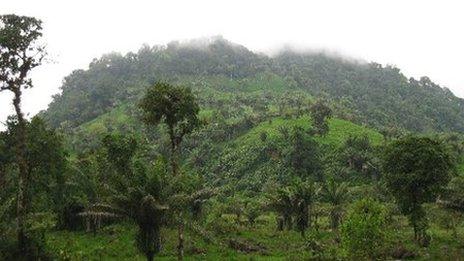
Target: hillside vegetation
x: 366, y: 93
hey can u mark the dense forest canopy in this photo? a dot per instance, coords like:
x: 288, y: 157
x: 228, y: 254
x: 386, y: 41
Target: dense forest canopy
x: 367, y: 93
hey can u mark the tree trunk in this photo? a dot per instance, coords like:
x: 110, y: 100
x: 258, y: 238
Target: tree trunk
x: 289, y: 222
x: 2, y: 177
x: 335, y: 218
x: 150, y: 256
x: 310, y: 215
x: 180, y: 245
x: 174, y: 148
x: 174, y: 162
x: 280, y: 223
x: 316, y: 223
x: 23, y: 170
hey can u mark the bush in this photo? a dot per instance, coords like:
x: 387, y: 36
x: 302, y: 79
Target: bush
x: 222, y: 226
x: 70, y: 219
x: 314, y: 243
x: 363, y: 231
x: 7, y: 247
x: 35, y: 247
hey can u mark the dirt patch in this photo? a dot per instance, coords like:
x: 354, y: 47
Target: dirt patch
x: 246, y: 246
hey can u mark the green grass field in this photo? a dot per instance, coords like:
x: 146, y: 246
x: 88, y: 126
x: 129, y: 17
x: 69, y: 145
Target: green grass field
x: 116, y: 242
x: 340, y: 130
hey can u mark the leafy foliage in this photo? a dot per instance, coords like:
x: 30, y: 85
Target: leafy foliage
x: 335, y: 194
x: 174, y: 106
x: 19, y: 54
x: 363, y: 231
x: 320, y: 113
x: 20, y: 51
x: 416, y: 171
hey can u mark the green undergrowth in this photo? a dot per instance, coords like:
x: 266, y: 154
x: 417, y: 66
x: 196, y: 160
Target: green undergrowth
x: 231, y: 241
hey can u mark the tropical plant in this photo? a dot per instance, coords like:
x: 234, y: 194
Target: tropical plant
x: 303, y: 198
x: 149, y: 221
x: 336, y: 194
x: 143, y: 203
x: 281, y: 202
x: 304, y: 156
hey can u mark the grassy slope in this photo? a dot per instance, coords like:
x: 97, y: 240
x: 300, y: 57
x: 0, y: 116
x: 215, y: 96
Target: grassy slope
x: 339, y: 130
x: 116, y: 242
x: 119, y: 116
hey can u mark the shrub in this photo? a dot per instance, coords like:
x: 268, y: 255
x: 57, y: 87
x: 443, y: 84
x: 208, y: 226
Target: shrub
x: 221, y: 225
x: 363, y: 231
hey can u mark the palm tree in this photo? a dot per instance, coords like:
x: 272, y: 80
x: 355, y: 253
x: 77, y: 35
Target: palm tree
x: 140, y: 201
x: 197, y: 200
x: 149, y: 220
x: 183, y: 204
x: 335, y: 194
x: 303, y: 198
x: 95, y: 214
x: 282, y: 203
x: 144, y: 207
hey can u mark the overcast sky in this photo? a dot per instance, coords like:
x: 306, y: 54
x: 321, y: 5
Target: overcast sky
x: 420, y: 37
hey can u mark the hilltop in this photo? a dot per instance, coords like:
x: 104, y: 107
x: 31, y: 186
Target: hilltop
x: 365, y: 93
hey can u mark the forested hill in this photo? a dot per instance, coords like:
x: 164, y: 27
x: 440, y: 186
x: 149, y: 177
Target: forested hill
x: 365, y: 93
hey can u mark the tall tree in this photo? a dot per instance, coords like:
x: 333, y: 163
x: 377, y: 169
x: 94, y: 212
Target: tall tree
x: 142, y: 202
x: 46, y: 159
x: 119, y: 151
x: 20, y: 52
x: 177, y: 108
x: 416, y: 170
x: 304, y: 155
